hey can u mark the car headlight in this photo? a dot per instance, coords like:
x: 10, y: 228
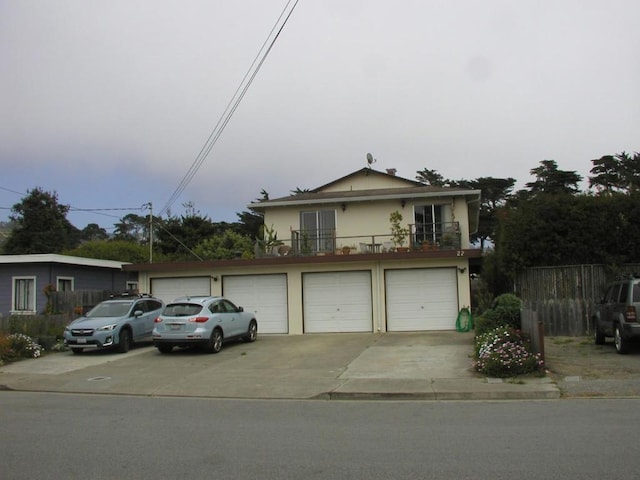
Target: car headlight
x: 107, y: 328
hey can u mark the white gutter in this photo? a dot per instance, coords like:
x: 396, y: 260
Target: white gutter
x: 395, y: 196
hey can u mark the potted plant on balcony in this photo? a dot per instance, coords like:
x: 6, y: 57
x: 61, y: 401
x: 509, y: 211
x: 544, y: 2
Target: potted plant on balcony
x: 450, y: 238
x: 398, y: 232
x: 268, y: 242
x: 427, y: 246
x: 347, y: 249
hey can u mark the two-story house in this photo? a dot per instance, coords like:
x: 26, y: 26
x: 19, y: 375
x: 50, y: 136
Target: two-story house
x: 337, y: 266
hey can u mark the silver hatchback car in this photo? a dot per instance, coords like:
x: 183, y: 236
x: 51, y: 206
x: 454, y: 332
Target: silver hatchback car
x: 203, y: 322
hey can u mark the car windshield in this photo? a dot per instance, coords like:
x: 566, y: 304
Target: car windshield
x: 182, y: 309
x: 110, y: 309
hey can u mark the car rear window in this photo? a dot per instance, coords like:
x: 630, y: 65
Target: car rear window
x: 623, y: 294
x: 182, y: 309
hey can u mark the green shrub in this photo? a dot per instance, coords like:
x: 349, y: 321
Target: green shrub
x: 59, y: 346
x: 35, y: 326
x: 505, y: 352
x: 487, y: 322
x: 5, y: 348
x: 507, y: 309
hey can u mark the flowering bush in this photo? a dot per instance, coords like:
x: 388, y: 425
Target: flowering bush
x: 503, y: 352
x: 18, y: 345
x: 59, y: 346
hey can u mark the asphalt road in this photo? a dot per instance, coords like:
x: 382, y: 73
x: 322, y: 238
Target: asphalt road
x: 69, y: 436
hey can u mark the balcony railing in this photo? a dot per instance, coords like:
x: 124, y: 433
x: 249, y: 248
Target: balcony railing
x: 431, y: 236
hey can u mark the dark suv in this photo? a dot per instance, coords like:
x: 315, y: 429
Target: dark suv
x: 617, y: 314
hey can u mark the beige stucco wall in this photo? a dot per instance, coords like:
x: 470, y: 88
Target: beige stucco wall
x: 294, y: 281
x: 367, y: 182
x: 362, y: 220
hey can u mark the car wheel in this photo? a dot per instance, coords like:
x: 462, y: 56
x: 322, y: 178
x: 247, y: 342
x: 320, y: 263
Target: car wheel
x: 214, y: 345
x: 598, y: 335
x: 77, y: 351
x: 124, y: 341
x: 622, y: 344
x: 252, y: 333
x: 165, y: 348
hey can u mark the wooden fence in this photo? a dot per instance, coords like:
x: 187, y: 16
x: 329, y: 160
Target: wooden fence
x: 47, y: 328
x: 535, y: 330
x: 563, y: 299
x: 76, y: 302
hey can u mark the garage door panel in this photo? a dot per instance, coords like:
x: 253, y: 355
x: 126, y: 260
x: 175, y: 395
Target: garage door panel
x: 421, y: 299
x: 264, y: 295
x: 168, y: 289
x: 337, y: 302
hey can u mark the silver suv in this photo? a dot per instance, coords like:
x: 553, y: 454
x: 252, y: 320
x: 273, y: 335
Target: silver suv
x: 115, y: 323
x: 617, y: 314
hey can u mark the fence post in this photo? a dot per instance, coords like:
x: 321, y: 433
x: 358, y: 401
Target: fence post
x: 534, y: 328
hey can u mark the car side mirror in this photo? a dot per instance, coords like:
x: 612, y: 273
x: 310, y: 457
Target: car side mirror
x: 138, y: 313
x: 240, y: 309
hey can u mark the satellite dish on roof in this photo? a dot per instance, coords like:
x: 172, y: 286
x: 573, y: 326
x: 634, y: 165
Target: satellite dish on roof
x: 370, y: 159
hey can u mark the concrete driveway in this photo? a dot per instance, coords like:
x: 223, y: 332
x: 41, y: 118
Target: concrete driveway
x: 425, y: 365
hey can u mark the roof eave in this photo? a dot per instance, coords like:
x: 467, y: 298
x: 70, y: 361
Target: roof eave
x: 337, y: 199
x: 63, y: 259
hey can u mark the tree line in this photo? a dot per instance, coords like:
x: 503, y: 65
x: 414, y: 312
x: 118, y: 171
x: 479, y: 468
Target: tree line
x: 39, y: 224
x: 551, y: 222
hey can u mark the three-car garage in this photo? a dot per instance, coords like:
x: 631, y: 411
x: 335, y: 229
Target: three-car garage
x: 365, y: 300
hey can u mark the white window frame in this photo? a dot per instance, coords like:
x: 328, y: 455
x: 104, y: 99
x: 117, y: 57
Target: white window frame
x: 132, y: 286
x: 320, y: 226
x: 67, y: 279
x: 14, y: 292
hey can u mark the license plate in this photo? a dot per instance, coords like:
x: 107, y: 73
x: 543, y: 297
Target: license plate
x: 82, y: 340
x: 176, y: 327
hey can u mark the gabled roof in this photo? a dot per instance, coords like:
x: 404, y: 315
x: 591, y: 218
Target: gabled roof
x: 65, y: 259
x: 367, y: 172
x: 408, y: 189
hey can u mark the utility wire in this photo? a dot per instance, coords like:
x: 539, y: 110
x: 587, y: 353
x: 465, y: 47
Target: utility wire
x: 180, y: 242
x: 12, y: 191
x: 75, y: 209
x: 233, y: 104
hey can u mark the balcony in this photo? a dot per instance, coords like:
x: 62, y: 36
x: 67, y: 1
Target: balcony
x: 425, y: 237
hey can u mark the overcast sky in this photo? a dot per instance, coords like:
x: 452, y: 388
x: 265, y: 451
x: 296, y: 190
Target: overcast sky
x: 108, y: 103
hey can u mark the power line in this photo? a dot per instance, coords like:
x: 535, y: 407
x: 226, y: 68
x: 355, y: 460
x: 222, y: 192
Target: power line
x: 12, y: 191
x: 76, y: 209
x: 103, y: 209
x: 233, y: 104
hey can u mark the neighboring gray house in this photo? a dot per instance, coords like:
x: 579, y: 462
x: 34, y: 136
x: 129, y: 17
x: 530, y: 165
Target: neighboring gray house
x: 23, y: 279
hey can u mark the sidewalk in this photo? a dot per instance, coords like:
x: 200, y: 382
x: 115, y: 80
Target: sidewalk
x: 421, y: 366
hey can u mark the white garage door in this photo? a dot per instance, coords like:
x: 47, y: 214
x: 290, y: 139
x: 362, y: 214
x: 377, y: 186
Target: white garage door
x: 168, y: 289
x: 421, y: 299
x: 337, y: 302
x: 265, y: 295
